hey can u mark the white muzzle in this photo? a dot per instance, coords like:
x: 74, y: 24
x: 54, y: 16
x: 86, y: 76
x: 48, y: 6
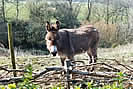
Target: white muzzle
x: 53, y: 49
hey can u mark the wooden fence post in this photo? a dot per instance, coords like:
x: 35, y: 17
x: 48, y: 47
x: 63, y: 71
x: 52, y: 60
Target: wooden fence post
x: 10, y: 42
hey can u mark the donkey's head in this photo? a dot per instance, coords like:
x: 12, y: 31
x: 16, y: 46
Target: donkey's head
x: 52, y: 37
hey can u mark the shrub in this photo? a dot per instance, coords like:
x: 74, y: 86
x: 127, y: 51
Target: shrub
x: 108, y: 33
x: 28, y: 35
x: 66, y: 15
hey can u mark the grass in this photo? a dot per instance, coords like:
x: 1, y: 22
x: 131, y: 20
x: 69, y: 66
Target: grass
x: 122, y: 53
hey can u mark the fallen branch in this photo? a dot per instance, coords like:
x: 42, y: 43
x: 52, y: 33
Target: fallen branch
x: 7, y: 80
x: 111, y: 67
x: 3, y: 75
x: 97, y: 74
x: 125, y: 66
x: 47, y: 69
x: 12, y: 70
x: 55, y: 74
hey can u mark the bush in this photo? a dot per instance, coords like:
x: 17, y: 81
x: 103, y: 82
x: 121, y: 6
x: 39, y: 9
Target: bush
x: 28, y: 35
x: 40, y: 11
x: 66, y: 15
x: 108, y: 33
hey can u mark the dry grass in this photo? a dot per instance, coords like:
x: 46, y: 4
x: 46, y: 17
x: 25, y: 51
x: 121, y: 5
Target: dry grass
x: 120, y: 52
x: 123, y: 54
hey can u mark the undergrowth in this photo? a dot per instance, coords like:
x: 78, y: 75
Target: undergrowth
x: 28, y: 84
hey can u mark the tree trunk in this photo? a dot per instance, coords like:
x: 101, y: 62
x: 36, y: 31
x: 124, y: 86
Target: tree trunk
x: 89, y: 10
x: 3, y: 10
x: 70, y: 3
x: 107, y: 20
x: 17, y: 9
x: 71, y: 10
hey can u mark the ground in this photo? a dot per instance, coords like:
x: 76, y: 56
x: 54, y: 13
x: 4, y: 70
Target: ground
x: 123, y: 54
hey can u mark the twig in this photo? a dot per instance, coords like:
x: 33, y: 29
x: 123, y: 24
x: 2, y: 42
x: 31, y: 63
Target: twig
x: 4, y: 75
x: 6, y: 80
x: 125, y: 66
x: 47, y: 70
x: 101, y: 64
x: 97, y: 74
x: 13, y: 70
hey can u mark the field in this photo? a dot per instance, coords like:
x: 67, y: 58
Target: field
x: 123, y: 53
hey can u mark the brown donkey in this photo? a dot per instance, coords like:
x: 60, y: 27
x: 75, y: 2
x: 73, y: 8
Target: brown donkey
x: 69, y: 42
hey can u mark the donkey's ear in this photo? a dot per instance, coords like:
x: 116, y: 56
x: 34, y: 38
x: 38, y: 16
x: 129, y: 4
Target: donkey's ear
x: 47, y: 26
x: 58, y: 24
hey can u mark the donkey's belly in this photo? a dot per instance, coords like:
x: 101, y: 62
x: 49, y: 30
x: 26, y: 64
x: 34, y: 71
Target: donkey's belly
x: 80, y: 48
x: 80, y: 44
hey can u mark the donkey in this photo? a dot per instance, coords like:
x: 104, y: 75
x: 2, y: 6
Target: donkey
x: 69, y: 42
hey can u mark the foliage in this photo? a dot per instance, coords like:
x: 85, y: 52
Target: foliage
x: 28, y: 33
x: 42, y: 11
x: 108, y: 34
x: 28, y: 84
x: 1, y: 11
x: 26, y: 81
x: 115, y: 85
x: 112, y: 35
x: 67, y: 15
x: 39, y: 11
x: 1, y: 16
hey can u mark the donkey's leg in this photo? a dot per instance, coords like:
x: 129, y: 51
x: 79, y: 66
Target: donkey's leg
x: 94, y: 54
x: 71, y: 58
x: 89, y: 52
x: 89, y: 56
x: 62, y: 60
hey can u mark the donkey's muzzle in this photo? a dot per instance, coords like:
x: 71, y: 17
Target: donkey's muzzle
x: 53, y: 50
x: 54, y: 53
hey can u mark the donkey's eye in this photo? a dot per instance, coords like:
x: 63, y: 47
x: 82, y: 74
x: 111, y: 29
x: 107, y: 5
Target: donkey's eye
x: 49, y: 39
